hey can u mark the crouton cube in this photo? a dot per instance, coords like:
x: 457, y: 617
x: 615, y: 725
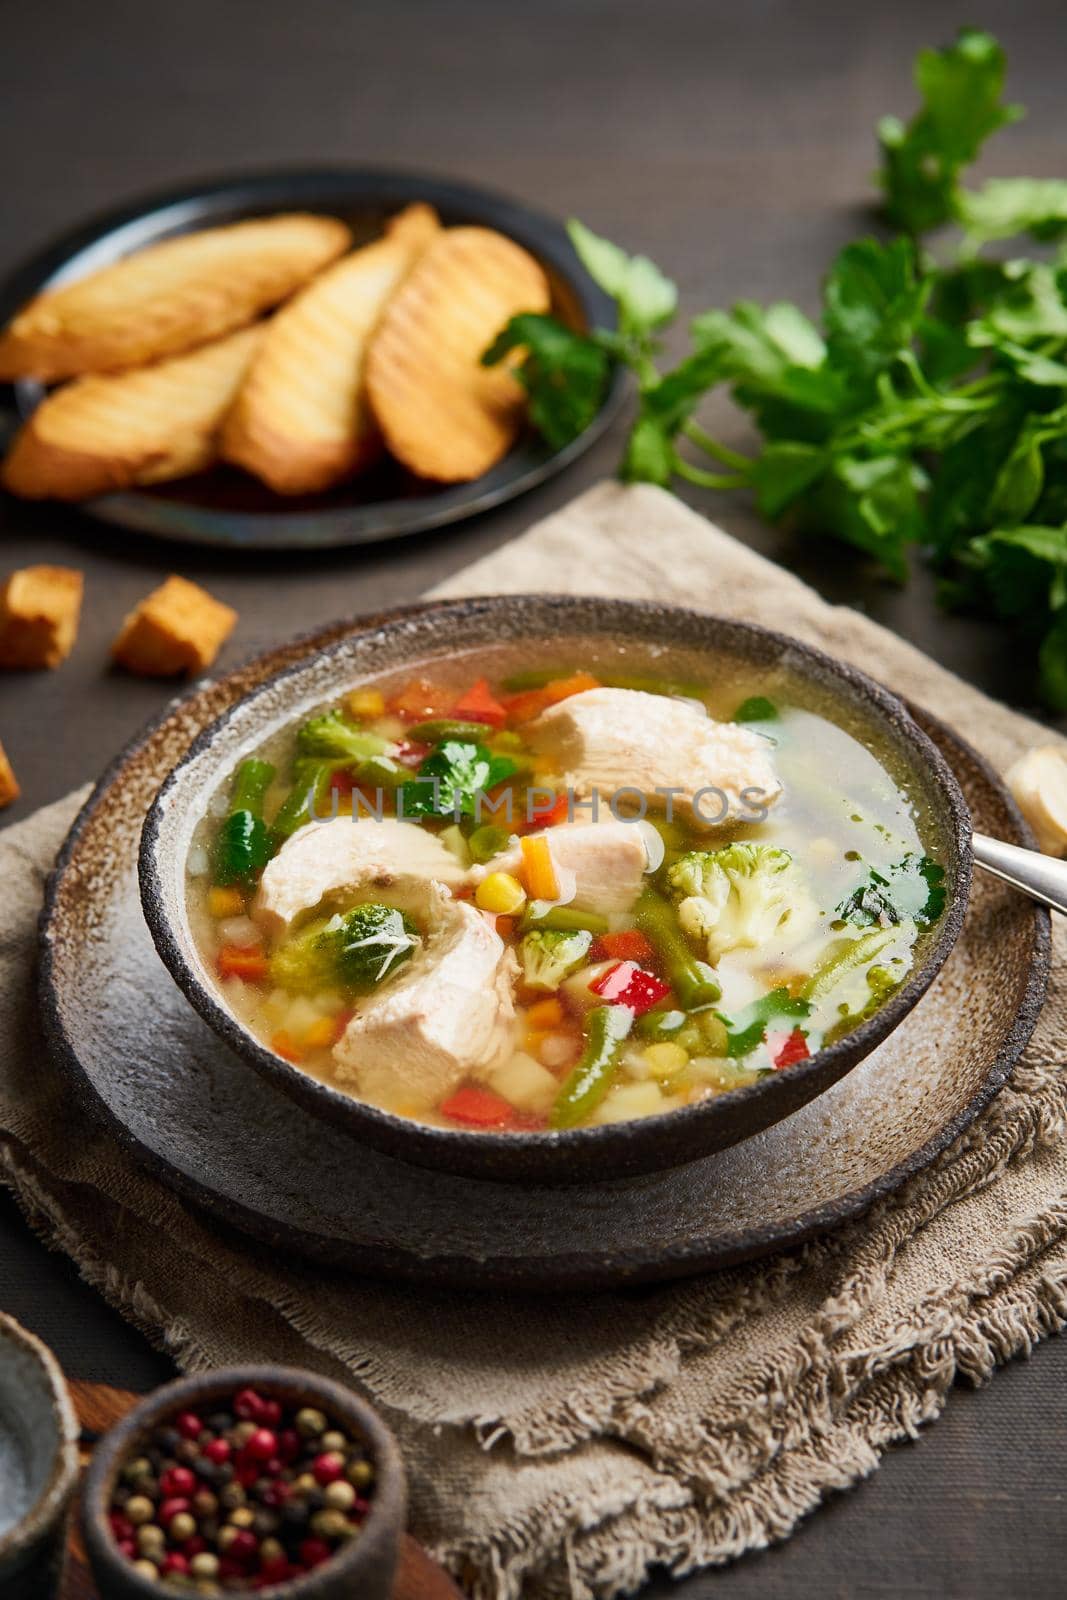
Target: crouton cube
x: 39, y: 611
x: 179, y: 627
x: 9, y: 784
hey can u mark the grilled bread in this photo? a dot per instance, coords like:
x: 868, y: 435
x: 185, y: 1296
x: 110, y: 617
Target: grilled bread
x: 103, y: 433
x: 169, y: 297
x: 443, y: 414
x: 301, y: 422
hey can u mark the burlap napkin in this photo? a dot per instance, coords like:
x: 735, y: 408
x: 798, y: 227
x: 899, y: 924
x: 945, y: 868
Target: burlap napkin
x: 562, y: 1447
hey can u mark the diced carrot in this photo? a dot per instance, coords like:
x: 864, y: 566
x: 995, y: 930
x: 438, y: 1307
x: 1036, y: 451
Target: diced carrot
x: 544, y: 1014
x: 526, y: 705
x: 538, y: 869
x: 225, y: 902
x: 505, y: 927
x: 282, y: 1045
x: 479, y: 704
x: 420, y: 699
x: 629, y: 945
x: 237, y: 961
x: 479, y: 1108
x: 562, y: 688
x: 529, y: 703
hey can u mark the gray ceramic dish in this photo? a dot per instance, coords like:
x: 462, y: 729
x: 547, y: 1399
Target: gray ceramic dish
x: 38, y: 1464
x: 364, y: 1567
x: 486, y: 631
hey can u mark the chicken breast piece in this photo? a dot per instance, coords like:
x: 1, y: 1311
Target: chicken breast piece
x: 604, y: 740
x: 603, y: 862
x: 328, y: 860
x: 448, y: 1014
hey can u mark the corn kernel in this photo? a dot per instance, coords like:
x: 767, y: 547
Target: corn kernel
x: 666, y: 1060
x: 225, y: 903
x: 499, y: 892
x: 544, y: 1014
x: 321, y: 1034
x: 365, y: 703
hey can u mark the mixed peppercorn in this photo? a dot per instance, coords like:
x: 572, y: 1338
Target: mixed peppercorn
x: 250, y: 1494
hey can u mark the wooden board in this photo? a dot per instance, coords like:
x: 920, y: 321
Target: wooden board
x: 99, y: 1407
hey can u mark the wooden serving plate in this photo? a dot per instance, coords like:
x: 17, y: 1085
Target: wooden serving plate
x: 99, y: 1407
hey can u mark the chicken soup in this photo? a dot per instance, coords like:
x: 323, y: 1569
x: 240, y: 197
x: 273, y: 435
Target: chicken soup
x: 562, y: 897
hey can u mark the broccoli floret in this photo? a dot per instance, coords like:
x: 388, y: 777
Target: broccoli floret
x: 354, y: 950
x: 330, y: 736
x: 549, y: 955
x: 740, y: 897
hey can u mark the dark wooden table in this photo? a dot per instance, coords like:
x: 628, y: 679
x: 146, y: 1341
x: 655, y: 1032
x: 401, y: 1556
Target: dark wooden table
x: 733, y: 144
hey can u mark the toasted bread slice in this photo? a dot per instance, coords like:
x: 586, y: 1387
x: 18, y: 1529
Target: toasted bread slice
x: 443, y: 414
x: 301, y: 421
x: 169, y: 297
x: 103, y: 433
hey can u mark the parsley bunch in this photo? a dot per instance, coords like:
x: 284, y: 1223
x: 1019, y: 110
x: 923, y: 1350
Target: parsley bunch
x: 928, y: 408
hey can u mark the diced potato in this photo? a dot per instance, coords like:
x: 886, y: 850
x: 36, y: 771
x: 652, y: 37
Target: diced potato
x: 575, y: 989
x: 525, y: 1083
x: 39, y: 611
x: 9, y: 784
x: 179, y: 627
x: 631, y: 1100
x: 718, y: 1073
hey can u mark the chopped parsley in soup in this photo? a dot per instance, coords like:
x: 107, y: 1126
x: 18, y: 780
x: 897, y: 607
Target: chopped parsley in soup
x: 561, y: 897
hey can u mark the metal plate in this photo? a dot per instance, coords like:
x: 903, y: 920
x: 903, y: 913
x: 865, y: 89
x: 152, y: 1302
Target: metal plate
x: 227, y: 508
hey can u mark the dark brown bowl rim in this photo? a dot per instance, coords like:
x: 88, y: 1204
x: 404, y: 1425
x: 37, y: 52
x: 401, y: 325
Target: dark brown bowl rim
x: 51, y: 1500
x: 337, y: 1400
x: 474, y: 1149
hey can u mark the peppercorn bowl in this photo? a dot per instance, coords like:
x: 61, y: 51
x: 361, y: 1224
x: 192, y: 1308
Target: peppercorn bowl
x: 38, y: 1464
x: 494, y: 638
x: 225, y: 1482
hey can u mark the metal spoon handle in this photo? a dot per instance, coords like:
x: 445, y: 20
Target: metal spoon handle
x: 1041, y: 877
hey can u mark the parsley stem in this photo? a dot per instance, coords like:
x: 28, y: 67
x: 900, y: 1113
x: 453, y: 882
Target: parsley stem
x: 712, y: 447
x: 707, y: 480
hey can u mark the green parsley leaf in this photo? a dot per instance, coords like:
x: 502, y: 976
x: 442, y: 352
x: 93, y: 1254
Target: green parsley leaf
x: 874, y: 298
x: 1004, y: 207
x: 451, y: 777
x: 565, y: 374
x: 645, y: 297
x: 961, y: 89
x: 746, y: 1031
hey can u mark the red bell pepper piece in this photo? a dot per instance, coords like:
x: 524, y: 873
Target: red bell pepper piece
x: 793, y: 1050
x: 479, y: 1108
x: 479, y: 704
x: 541, y: 817
x: 630, y: 985
x: 629, y: 945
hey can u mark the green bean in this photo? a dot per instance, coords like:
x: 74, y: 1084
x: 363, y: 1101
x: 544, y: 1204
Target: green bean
x: 692, y: 980
x: 486, y: 842
x: 438, y: 729
x: 608, y: 1027
x: 565, y: 919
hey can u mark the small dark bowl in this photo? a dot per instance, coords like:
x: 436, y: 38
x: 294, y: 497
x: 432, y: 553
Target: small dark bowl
x: 365, y: 1567
x: 488, y: 635
x: 38, y: 1464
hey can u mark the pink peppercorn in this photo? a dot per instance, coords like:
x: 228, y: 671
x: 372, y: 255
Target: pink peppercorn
x: 194, y: 1546
x: 128, y: 1548
x: 262, y: 1445
x: 277, y: 1570
x: 174, y: 1562
x: 327, y: 1468
x: 121, y: 1526
x: 313, y: 1552
x: 243, y: 1546
x: 270, y: 1413
x: 289, y: 1444
x: 248, y: 1405
x: 218, y: 1450
x: 174, y: 1507
x: 179, y: 1480
x: 189, y: 1425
